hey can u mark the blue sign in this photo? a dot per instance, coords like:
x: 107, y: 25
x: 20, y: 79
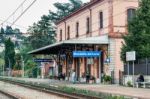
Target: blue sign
x: 42, y: 60
x: 86, y: 53
x: 107, y: 60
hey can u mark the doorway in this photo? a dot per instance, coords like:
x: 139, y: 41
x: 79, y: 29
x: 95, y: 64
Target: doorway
x: 77, y: 68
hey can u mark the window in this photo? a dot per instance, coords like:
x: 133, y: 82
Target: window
x: 68, y: 32
x: 61, y: 35
x: 77, y: 29
x: 130, y: 14
x: 101, y: 20
x: 88, y: 25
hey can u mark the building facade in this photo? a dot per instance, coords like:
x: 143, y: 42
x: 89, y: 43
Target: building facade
x: 98, y: 18
x: 97, y: 26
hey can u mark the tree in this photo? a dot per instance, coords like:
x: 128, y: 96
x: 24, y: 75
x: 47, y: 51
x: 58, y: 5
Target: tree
x: 2, y: 35
x: 1, y: 65
x: 18, y: 62
x: 64, y: 9
x: 9, y: 54
x: 18, y: 33
x: 138, y: 38
x: 42, y: 33
x: 9, y: 30
x: 31, y: 69
x: 76, y: 4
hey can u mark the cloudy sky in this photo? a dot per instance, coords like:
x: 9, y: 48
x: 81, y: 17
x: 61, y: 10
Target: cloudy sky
x: 39, y: 8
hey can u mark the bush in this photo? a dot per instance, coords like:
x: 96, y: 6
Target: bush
x: 107, y: 78
x: 51, y: 77
x: 129, y: 84
x: 115, y: 97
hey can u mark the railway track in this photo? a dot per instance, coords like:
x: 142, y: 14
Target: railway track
x: 6, y: 95
x: 51, y: 91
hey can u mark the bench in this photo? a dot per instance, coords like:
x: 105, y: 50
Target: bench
x: 142, y: 83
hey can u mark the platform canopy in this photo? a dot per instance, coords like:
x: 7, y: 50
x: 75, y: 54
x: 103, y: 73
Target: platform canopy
x: 56, y: 47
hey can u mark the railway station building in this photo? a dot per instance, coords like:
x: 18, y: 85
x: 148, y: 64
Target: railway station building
x: 89, y: 40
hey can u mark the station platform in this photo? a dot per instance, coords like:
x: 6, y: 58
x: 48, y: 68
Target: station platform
x: 138, y: 93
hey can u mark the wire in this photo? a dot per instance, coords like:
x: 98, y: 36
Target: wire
x: 14, y: 24
x: 93, y: 24
x: 14, y: 12
x: 23, y: 12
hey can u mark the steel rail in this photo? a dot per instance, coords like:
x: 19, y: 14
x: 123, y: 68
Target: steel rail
x: 52, y: 91
x: 9, y: 95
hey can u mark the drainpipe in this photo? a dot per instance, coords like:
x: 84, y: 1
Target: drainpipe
x: 110, y: 20
x: 65, y: 29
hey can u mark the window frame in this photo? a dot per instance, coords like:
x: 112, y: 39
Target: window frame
x: 60, y: 38
x: 68, y: 32
x: 130, y: 14
x: 87, y: 25
x: 101, y: 19
x: 77, y: 29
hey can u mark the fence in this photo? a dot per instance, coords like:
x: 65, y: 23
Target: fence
x: 141, y: 66
x: 14, y: 73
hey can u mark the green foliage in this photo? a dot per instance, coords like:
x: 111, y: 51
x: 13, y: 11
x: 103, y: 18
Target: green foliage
x: 31, y: 69
x: 9, y: 53
x: 30, y: 64
x: 18, y: 61
x: 107, y: 78
x: 1, y: 64
x: 139, y: 32
x: 115, y: 97
x: 1, y: 35
x: 18, y: 33
x: 64, y: 9
x: 129, y: 84
x: 9, y: 30
x: 68, y: 90
x: 42, y: 33
x: 24, y: 49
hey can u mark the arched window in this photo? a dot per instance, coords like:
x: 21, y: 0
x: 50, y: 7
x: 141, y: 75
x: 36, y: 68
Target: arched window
x: 130, y: 14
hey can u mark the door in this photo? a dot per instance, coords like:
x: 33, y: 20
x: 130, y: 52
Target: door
x: 77, y: 68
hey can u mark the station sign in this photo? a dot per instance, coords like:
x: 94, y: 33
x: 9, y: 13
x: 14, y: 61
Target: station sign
x: 130, y: 56
x: 43, y: 60
x: 86, y: 53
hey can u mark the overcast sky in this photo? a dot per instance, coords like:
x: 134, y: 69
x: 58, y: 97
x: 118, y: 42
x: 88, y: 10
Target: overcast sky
x: 39, y: 8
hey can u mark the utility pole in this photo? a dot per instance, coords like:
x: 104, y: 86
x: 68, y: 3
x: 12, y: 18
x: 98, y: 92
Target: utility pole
x: 3, y: 70
x: 9, y: 72
x: 22, y: 66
